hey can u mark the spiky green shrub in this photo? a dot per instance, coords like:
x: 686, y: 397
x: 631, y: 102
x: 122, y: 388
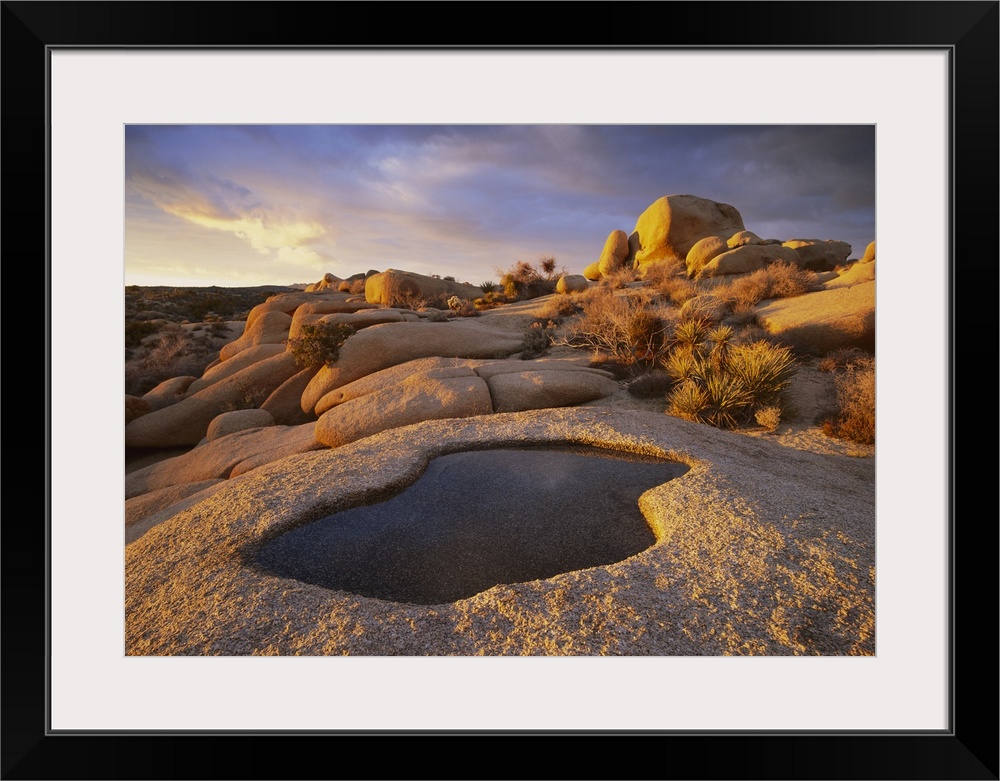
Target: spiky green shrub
x: 726, y: 387
x: 691, y: 332
x: 761, y: 368
x: 488, y: 286
x: 682, y: 364
x: 319, y: 343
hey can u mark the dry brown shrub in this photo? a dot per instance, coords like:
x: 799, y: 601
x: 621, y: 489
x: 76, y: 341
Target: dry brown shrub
x: 669, y: 279
x: 358, y: 287
x: 855, y: 420
x: 778, y: 280
x: 622, y: 326
x: 618, y: 280
x: 174, y: 354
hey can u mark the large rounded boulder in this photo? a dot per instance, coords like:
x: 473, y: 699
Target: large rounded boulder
x: 614, y: 254
x: 673, y: 224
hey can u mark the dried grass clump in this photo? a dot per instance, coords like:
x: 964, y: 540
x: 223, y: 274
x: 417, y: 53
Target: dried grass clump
x: 778, y: 280
x: 768, y: 417
x: 669, y: 280
x: 855, y: 420
x: 621, y: 326
x: 618, y: 280
x: 559, y: 307
x: 358, y: 287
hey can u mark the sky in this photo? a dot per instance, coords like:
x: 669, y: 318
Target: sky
x: 245, y: 205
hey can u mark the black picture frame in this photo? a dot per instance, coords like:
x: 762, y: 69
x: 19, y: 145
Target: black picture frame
x: 968, y: 30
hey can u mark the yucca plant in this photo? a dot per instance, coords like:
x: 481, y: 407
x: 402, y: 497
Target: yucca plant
x: 730, y: 402
x: 762, y: 368
x: 487, y: 287
x: 690, y: 332
x: 689, y: 401
x: 682, y: 363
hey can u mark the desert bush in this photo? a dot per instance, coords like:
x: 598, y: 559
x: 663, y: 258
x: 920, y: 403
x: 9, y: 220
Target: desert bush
x: 619, y: 325
x: 537, y: 339
x: 559, y: 307
x: 524, y: 280
x: 448, y: 278
x: 319, y: 343
x: 855, y: 420
x: 137, y: 330
x: 358, y: 287
x: 218, y: 328
x: 669, y: 280
x: 838, y: 360
x: 490, y: 301
x: 174, y: 354
x: 488, y: 286
x: 617, y: 280
x: 462, y: 308
x: 742, y: 313
x: 778, y: 280
x: 768, y: 417
x: 248, y: 397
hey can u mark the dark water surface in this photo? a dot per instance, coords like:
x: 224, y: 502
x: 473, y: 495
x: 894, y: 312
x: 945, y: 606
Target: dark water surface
x: 477, y: 519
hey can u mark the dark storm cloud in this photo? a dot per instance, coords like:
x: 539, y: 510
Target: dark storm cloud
x: 484, y: 192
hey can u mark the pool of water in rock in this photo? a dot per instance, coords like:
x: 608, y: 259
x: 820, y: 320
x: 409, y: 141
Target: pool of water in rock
x: 477, y: 519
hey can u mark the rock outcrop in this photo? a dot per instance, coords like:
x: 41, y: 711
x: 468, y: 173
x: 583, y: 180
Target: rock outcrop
x: 673, y: 224
x: 393, y: 287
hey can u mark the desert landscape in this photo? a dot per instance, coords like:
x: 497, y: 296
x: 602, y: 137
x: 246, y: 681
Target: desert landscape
x: 383, y: 464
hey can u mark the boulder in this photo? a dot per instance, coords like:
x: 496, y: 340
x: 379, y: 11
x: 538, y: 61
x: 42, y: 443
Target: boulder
x: 673, y: 224
x: 326, y: 283
x: 817, y: 255
x: 175, y: 388
x: 572, y: 283
x: 394, y: 375
x: 268, y: 328
x: 186, y: 422
x: 219, y: 458
x: 516, y: 392
x: 830, y: 319
x: 235, y: 364
x: 420, y: 397
x: 703, y: 251
x: 614, y: 254
x: 393, y: 287
x: 854, y: 274
x: 742, y: 238
x: 745, y: 259
x: 382, y: 346
x: 285, y: 402
x: 238, y: 420
x: 592, y: 272
x: 183, y: 423
x: 144, y: 505
x: 311, y: 311
x: 869, y: 255
x: 135, y: 407
x: 289, y: 302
